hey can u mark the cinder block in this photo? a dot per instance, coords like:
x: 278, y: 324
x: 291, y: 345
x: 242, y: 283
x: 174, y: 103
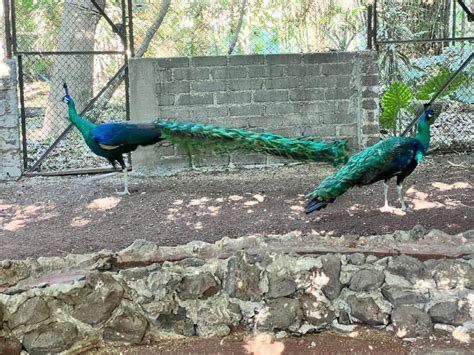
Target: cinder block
x: 190, y: 73
x: 303, y: 70
x: 195, y: 99
x: 209, y: 61
x: 336, y: 69
x: 370, y: 80
x: 270, y: 96
x: 175, y: 87
x: 244, y: 159
x: 208, y: 86
x: 233, y: 98
x: 307, y: 94
x: 246, y: 84
x: 319, y: 81
x: 282, y: 109
x: 369, y: 104
x: 166, y: 100
x: 246, y: 59
x: 246, y: 110
x: 210, y: 112
x: 316, y: 58
x: 172, y: 62
x: 174, y: 113
x: 282, y: 83
x: 347, y: 130
x: 338, y: 93
x: 283, y: 58
x: 229, y: 73
x: 230, y: 122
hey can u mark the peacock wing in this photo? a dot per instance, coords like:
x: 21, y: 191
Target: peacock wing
x: 366, y: 166
x: 114, y: 134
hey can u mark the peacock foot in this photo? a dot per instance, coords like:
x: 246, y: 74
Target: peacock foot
x: 122, y: 193
x: 387, y: 209
x: 407, y: 209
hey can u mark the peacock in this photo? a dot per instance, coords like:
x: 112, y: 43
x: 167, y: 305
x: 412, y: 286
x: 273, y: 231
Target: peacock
x: 392, y: 157
x: 111, y: 140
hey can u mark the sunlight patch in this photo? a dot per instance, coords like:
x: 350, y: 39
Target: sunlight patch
x: 235, y: 197
x: 79, y: 222
x: 105, y: 203
x: 446, y: 187
x: 263, y: 344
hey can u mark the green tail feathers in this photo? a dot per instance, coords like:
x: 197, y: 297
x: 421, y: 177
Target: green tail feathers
x: 198, y: 138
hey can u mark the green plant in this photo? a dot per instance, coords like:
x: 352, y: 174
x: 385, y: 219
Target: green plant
x: 397, y: 97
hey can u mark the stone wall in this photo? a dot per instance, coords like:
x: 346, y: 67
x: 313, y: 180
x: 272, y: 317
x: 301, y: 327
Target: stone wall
x: 287, y: 284
x: 10, y: 162
x: 323, y: 95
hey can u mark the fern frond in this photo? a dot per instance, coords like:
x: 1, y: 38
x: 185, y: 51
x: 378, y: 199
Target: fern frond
x: 397, y: 96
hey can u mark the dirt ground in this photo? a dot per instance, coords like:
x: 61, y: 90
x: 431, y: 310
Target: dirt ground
x: 59, y: 215
x: 362, y: 340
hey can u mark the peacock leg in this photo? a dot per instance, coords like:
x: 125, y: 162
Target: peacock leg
x: 386, y: 207
x: 125, y: 179
x: 402, y: 200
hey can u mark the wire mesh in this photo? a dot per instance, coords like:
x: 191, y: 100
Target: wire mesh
x: 208, y: 27
x: 425, y: 67
x: 66, y: 41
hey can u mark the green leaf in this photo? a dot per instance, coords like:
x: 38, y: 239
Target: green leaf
x: 434, y: 84
x: 397, y: 96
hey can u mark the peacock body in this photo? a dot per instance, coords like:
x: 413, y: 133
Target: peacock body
x: 392, y: 157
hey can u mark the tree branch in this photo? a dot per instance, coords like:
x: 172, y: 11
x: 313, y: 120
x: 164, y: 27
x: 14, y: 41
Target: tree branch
x: 140, y: 52
x: 239, y: 26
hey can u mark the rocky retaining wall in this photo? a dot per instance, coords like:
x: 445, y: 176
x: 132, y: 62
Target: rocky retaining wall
x: 286, y: 284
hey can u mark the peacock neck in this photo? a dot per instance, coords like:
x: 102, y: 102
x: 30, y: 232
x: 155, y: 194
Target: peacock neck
x: 81, y: 123
x: 423, y: 134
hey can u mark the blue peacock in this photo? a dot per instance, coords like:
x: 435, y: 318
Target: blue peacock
x: 113, y: 139
x: 392, y: 157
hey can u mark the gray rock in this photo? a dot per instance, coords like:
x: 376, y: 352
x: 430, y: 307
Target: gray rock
x: 129, y: 328
x: 398, y: 296
x: 32, y: 311
x: 366, y: 279
x: 344, y: 317
x: 98, y: 306
x: 371, y: 259
x: 242, y: 279
x: 396, y: 280
x: 280, y: 286
x: 406, y: 266
x: 411, y: 322
x: 10, y: 346
x: 198, y: 286
x: 356, y: 258
x: 366, y: 310
x: 50, y: 338
x: 2, y: 317
x: 332, y: 269
x: 452, y: 312
x: 280, y: 313
x: 176, y: 323
x: 316, y: 312
x: 401, y: 236
x: 450, y: 274
x: 418, y: 232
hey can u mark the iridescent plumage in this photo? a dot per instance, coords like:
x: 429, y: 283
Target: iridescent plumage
x: 392, y: 157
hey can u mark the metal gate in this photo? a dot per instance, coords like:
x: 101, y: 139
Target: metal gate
x: 90, y: 52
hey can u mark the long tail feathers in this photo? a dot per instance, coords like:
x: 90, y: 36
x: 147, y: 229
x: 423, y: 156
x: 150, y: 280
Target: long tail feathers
x: 196, y: 138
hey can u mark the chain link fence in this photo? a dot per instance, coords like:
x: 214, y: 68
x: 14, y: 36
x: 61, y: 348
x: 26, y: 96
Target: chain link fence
x: 410, y: 53
x: 207, y: 27
x: 87, y: 54
x: 65, y: 41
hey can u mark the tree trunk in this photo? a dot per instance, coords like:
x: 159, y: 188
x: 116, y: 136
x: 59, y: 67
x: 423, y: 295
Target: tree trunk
x: 77, y: 33
x: 140, y: 52
x: 238, y: 27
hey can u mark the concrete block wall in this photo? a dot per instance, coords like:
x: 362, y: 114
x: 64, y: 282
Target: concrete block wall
x: 323, y: 95
x: 10, y: 159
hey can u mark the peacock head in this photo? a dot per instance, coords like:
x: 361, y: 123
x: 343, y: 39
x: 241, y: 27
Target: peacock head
x: 67, y: 99
x: 428, y: 116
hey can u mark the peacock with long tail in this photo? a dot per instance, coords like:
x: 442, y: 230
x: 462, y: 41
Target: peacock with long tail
x: 392, y: 157
x: 111, y: 140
